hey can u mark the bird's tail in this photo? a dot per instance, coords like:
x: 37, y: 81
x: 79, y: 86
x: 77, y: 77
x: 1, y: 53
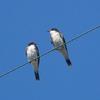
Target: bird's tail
x: 68, y: 62
x: 37, y: 76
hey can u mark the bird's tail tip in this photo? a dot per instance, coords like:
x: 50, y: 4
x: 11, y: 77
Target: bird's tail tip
x: 68, y: 62
x: 37, y: 76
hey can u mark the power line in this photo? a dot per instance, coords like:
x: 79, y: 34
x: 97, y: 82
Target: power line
x: 73, y: 39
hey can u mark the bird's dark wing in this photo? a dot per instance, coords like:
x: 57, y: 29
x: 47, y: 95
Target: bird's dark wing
x: 64, y: 43
x: 37, y: 54
x: 51, y: 40
x: 61, y: 35
x: 26, y: 51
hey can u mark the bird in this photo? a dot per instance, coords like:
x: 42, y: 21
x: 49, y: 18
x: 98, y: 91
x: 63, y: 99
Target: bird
x: 58, y: 41
x: 32, y: 53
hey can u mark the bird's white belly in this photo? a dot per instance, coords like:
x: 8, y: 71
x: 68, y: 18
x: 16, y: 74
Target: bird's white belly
x: 31, y: 54
x: 57, y: 40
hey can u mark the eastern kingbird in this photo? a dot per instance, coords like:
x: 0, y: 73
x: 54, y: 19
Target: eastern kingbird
x: 57, y: 39
x: 32, y: 54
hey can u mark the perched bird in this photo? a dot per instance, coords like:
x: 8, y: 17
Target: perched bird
x: 32, y: 54
x: 57, y: 39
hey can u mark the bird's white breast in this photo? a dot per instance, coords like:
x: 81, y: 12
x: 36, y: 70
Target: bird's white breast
x: 56, y: 38
x: 31, y: 52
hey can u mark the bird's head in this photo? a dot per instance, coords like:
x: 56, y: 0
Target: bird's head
x: 53, y: 30
x: 31, y: 43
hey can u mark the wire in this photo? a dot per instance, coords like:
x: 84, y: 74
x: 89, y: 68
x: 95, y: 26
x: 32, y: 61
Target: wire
x: 73, y: 39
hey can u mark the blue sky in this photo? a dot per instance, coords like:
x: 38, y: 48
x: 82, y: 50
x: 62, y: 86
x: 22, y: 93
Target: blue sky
x: 22, y: 21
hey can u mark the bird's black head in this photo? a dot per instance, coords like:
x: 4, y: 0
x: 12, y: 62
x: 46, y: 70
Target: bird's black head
x: 54, y: 29
x: 31, y: 43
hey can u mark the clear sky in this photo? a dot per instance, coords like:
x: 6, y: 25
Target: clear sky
x: 22, y: 21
